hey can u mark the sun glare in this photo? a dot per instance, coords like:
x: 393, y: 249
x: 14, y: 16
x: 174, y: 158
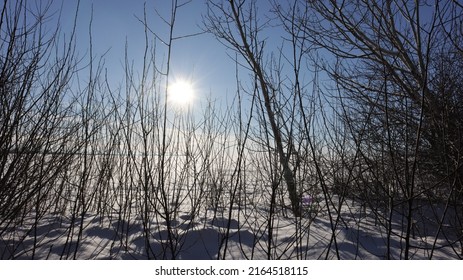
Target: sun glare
x: 181, y: 93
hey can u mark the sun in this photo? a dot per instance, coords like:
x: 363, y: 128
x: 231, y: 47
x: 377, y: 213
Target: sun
x: 181, y: 93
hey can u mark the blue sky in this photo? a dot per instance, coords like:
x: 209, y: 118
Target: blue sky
x: 202, y: 58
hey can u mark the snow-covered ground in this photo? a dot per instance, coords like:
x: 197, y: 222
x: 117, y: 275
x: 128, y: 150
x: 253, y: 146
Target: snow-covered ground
x: 242, y: 233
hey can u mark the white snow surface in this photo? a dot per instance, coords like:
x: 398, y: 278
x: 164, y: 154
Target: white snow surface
x: 239, y: 233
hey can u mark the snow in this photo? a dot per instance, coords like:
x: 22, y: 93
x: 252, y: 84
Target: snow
x: 239, y: 233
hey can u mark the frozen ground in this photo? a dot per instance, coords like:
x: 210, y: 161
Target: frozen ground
x: 213, y: 235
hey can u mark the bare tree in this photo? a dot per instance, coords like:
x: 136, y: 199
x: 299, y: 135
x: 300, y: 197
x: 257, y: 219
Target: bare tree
x: 382, y: 59
x: 237, y: 24
x: 36, y: 127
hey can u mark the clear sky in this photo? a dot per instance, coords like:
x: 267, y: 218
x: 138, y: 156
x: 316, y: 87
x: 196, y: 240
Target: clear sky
x: 202, y: 58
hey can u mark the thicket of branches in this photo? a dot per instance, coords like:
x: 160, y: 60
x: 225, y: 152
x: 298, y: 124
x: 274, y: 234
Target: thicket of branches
x: 360, y: 102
